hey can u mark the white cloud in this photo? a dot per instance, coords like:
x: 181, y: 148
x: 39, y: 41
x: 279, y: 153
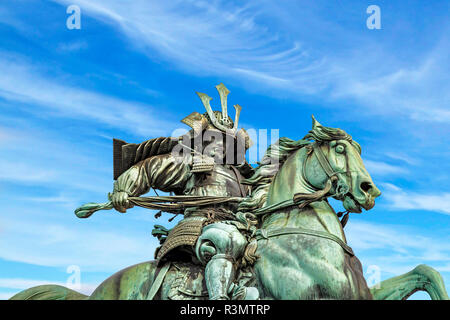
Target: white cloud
x: 381, y: 168
x: 402, y: 157
x: 416, y: 201
x: 419, y: 91
x: 87, y: 246
x: 9, y: 18
x: 23, y: 172
x: 222, y: 39
x: 214, y: 38
x: 397, y: 249
x: 21, y: 82
x: 26, y: 159
x: 6, y: 295
x: 410, y: 200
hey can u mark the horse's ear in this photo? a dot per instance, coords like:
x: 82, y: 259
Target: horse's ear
x: 315, y: 123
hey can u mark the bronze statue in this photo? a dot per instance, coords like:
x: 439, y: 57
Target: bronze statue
x: 247, y: 233
x: 207, y: 235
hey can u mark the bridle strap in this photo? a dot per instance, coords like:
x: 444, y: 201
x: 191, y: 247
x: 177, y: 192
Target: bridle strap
x: 324, y: 163
x: 333, y: 175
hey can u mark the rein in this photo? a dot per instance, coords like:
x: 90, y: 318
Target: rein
x: 300, y: 199
x: 172, y: 204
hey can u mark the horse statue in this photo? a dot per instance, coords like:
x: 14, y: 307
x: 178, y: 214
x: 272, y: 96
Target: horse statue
x: 300, y: 244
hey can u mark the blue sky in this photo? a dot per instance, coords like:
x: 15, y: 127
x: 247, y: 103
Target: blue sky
x: 131, y: 73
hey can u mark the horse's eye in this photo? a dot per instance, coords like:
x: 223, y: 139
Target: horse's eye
x: 340, y: 148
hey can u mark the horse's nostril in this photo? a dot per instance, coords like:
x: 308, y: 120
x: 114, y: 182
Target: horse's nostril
x: 366, y: 186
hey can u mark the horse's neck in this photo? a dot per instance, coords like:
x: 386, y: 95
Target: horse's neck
x: 289, y: 181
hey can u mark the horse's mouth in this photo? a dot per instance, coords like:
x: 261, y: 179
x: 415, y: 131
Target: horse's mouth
x: 352, y: 204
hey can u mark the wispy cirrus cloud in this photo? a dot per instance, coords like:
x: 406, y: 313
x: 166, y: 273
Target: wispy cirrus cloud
x: 402, y: 157
x: 24, y: 172
x: 381, y: 168
x: 21, y: 82
x: 397, y: 248
x: 61, y: 245
x: 214, y: 38
x: 37, y: 157
x: 6, y: 295
x: 243, y: 41
x: 400, y: 199
x: 420, y: 91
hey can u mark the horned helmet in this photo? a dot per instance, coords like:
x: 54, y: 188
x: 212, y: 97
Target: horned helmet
x: 218, y: 121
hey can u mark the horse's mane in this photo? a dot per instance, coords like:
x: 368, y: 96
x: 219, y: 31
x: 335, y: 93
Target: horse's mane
x: 320, y: 133
x: 260, y: 181
x: 277, y: 154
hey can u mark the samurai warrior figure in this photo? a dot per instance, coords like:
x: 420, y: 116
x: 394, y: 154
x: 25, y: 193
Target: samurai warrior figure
x: 207, y: 161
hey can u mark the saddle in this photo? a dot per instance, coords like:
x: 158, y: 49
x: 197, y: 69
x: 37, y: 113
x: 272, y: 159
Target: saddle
x: 186, y: 281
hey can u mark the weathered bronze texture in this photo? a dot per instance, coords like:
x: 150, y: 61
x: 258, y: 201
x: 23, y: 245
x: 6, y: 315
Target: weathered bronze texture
x: 247, y: 233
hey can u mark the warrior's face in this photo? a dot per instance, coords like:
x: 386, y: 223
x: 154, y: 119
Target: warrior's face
x: 214, y: 146
x: 218, y: 147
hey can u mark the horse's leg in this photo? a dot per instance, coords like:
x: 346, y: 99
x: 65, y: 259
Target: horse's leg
x: 49, y: 292
x: 421, y: 278
x: 286, y: 272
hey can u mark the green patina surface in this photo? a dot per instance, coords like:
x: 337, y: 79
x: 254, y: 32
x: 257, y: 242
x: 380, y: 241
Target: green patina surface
x: 282, y: 240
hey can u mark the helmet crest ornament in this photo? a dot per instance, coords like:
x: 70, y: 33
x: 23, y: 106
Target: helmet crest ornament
x: 216, y: 120
x: 224, y: 124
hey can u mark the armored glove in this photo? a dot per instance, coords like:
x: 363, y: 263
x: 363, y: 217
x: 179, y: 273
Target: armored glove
x: 120, y: 201
x: 124, y: 187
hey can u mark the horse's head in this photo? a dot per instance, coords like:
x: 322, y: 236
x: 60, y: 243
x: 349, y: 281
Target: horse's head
x: 335, y: 158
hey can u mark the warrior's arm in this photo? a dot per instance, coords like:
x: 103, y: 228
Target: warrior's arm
x: 164, y: 172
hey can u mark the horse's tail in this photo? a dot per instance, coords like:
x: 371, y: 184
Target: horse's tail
x: 49, y: 292
x: 421, y: 278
